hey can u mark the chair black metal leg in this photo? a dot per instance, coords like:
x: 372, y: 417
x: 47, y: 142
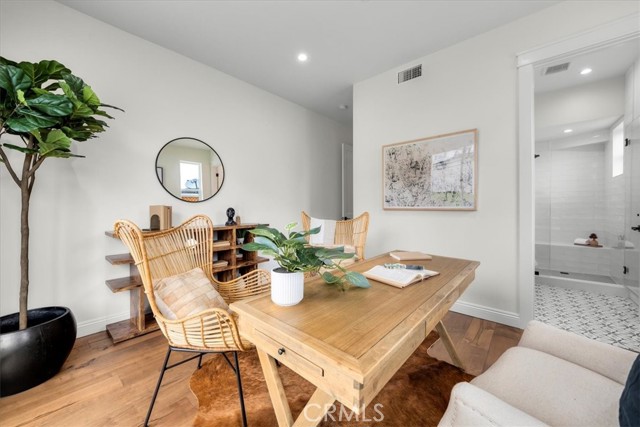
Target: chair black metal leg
x: 200, y: 360
x: 244, y: 414
x: 155, y: 393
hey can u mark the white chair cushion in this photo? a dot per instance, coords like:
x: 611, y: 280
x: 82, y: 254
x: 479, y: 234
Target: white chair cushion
x: 186, y: 294
x: 327, y: 232
x: 555, y: 391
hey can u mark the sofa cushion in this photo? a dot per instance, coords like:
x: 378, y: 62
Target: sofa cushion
x: 551, y: 389
x: 186, y: 294
x: 471, y: 406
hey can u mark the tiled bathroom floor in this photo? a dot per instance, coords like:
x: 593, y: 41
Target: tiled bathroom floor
x: 609, y: 319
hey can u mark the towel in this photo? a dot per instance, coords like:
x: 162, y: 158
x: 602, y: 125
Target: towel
x: 327, y: 231
x: 581, y: 242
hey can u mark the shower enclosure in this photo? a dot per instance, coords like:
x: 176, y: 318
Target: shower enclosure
x: 587, y: 180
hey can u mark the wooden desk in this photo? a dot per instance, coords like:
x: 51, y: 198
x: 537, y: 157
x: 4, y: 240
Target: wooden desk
x: 349, y: 344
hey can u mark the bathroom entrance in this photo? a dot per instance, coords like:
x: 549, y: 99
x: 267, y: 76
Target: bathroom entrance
x: 587, y: 191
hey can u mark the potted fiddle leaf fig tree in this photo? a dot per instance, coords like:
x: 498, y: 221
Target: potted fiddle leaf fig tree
x: 44, y: 107
x: 296, y: 257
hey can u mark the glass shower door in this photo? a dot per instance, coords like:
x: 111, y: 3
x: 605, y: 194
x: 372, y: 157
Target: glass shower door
x: 632, y: 215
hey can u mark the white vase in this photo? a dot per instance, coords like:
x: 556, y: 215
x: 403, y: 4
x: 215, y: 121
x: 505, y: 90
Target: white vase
x: 286, y: 288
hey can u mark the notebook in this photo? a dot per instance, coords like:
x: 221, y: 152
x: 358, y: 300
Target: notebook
x: 398, y: 277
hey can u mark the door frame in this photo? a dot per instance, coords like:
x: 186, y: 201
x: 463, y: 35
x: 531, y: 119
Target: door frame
x: 606, y: 35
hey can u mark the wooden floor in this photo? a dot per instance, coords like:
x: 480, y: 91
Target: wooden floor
x: 106, y: 385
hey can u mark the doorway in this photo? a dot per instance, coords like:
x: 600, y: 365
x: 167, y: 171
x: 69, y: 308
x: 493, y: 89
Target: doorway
x: 570, y: 191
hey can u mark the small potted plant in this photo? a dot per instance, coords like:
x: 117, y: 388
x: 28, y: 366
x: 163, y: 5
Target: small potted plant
x: 296, y: 257
x: 240, y: 236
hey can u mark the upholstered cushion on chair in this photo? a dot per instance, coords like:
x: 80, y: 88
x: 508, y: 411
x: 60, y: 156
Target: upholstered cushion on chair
x: 186, y: 294
x: 327, y: 231
x: 553, y: 390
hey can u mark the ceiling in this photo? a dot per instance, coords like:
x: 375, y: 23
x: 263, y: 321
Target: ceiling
x: 346, y: 41
x: 605, y: 63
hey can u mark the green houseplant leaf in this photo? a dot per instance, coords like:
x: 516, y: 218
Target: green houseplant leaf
x: 292, y: 252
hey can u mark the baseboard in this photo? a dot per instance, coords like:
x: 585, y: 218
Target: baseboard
x: 99, y: 324
x: 487, y: 313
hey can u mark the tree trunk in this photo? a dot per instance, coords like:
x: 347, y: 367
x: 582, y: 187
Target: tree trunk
x: 25, y: 191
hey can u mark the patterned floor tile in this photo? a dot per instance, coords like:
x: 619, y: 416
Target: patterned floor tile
x: 608, y: 319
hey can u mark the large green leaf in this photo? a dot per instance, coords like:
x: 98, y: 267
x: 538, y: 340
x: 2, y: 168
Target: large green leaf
x: 29, y: 70
x: 28, y: 120
x: 253, y: 246
x: 22, y: 149
x: 13, y: 78
x: 267, y: 242
x: 270, y: 233
x: 75, y: 84
x: 5, y: 61
x: 56, y: 141
x: 357, y: 279
x: 90, y: 97
x: 330, y: 278
x: 49, y: 70
x: 52, y: 105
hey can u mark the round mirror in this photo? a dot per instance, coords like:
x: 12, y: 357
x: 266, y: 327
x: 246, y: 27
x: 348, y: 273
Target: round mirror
x: 189, y: 169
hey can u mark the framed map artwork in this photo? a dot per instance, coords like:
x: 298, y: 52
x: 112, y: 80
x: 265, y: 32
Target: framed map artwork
x: 435, y: 173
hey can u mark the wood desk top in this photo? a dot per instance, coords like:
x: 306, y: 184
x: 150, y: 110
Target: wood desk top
x: 355, y: 326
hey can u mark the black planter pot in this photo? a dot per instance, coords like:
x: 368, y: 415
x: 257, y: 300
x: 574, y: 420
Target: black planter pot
x: 31, y: 356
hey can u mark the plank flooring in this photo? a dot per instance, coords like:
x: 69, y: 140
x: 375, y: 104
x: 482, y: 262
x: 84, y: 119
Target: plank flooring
x: 111, y: 385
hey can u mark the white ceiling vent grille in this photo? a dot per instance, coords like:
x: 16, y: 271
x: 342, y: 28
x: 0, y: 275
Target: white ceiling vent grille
x: 409, y: 74
x: 555, y: 69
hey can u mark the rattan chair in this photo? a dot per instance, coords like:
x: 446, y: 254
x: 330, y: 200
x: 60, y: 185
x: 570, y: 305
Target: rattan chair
x: 351, y: 232
x: 166, y: 253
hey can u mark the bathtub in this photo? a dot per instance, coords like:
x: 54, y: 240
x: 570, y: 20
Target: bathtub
x: 586, y: 268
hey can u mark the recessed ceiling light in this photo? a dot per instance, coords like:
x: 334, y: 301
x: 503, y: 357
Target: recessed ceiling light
x: 568, y: 130
x: 343, y: 107
x: 302, y: 57
x: 586, y: 71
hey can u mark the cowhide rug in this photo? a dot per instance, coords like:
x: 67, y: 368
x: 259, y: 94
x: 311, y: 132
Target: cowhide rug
x: 417, y: 395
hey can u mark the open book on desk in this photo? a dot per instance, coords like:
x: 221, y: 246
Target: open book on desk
x: 398, y: 277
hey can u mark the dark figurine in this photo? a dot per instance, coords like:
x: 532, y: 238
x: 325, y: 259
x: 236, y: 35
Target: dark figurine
x: 230, y: 213
x: 593, y: 240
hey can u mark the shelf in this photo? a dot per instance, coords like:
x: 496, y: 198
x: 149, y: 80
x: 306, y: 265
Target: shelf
x: 125, y: 330
x: 124, y: 284
x: 119, y: 259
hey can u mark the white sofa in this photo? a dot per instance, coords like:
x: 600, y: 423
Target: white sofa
x: 552, y: 377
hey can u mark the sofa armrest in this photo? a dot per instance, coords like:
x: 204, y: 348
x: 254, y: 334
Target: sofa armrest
x: 604, y: 359
x: 471, y: 406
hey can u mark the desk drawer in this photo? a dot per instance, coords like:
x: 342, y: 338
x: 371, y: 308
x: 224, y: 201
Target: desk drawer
x: 287, y: 356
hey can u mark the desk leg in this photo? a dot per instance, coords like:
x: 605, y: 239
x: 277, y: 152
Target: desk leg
x: 312, y: 413
x: 276, y: 390
x: 314, y: 410
x: 448, y: 344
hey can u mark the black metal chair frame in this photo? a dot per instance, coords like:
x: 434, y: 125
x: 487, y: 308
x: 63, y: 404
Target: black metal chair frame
x: 236, y: 370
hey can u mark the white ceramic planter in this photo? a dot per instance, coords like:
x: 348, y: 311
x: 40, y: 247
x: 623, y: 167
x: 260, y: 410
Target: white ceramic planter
x: 286, y: 288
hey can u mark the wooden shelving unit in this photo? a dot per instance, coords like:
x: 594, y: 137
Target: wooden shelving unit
x: 239, y: 262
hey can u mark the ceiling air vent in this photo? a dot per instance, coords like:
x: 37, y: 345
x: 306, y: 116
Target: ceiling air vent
x: 409, y: 74
x: 555, y: 69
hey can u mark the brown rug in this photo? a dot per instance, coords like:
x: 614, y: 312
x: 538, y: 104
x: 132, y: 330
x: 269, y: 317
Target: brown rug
x: 417, y: 395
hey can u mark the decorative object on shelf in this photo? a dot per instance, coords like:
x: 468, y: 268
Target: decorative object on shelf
x: 593, y: 240
x: 240, y: 237
x: 43, y: 109
x: 159, y: 217
x: 189, y: 169
x: 296, y: 257
x: 435, y: 173
x: 238, y: 220
x: 230, y: 213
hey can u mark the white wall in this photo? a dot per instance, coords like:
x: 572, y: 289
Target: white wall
x: 586, y: 102
x: 470, y: 85
x: 279, y: 157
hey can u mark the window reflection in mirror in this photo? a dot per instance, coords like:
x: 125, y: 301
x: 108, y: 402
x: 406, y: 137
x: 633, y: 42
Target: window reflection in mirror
x: 191, y: 170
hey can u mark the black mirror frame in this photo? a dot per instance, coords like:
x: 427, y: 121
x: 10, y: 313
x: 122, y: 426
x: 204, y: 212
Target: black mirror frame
x: 224, y: 176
